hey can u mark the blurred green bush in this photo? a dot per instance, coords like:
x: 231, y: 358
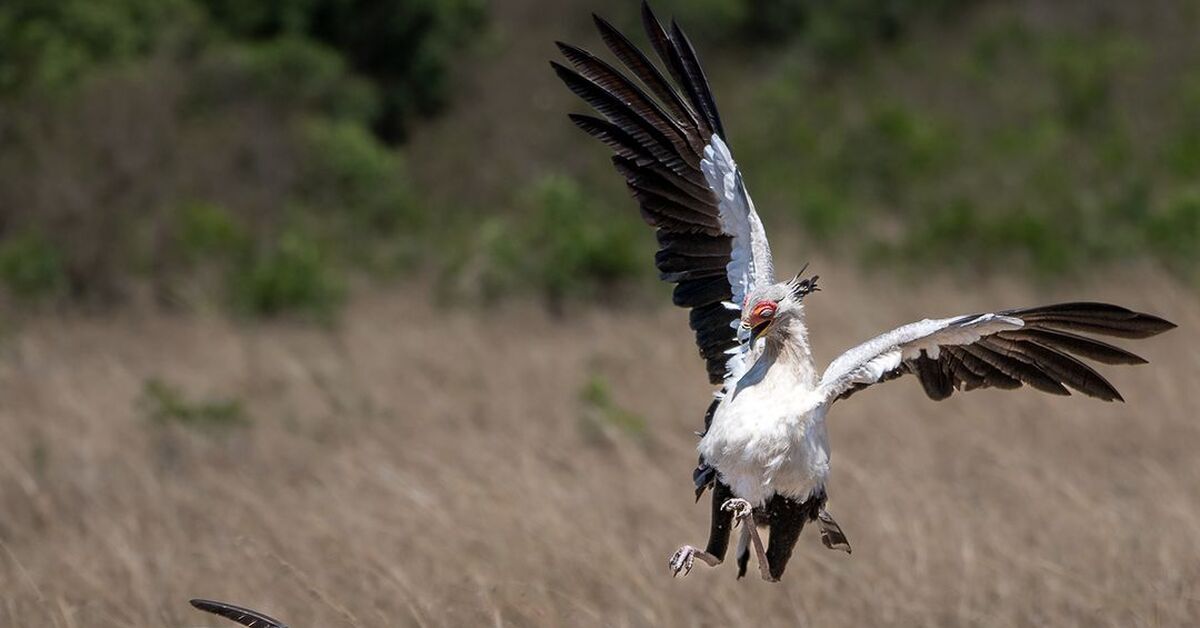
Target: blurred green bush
x: 30, y: 265
x: 559, y: 242
x: 189, y: 139
x: 1017, y: 144
x: 293, y: 273
x: 250, y: 154
x: 603, y: 421
x: 402, y: 48
x: 165, y: 403
x: 51, y: 45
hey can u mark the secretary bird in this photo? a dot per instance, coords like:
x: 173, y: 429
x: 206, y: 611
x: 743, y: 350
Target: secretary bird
x: 764, y: 450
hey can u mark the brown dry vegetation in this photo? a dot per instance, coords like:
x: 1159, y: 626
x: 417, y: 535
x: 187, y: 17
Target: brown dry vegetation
x: 420, y: 465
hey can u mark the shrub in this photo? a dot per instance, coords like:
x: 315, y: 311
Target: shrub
x: 50, y: 45
x: 207, y: 230
x: 894, y: 149
x: 602, y: 418
x: 291, y: 273
x: 1182, y: 151
x: 560, y: 243
x: 290, y: 73
x: 1083, y: 70
x: 30, y: 266
x: 403, y: 48
x: 360, y: 192
x: 347, y: 171
x: 165, y: 403
x: 572, y: 246
x: 1174, y: 231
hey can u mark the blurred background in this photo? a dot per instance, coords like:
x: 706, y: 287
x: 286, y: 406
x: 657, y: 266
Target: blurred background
x: 324, y: 307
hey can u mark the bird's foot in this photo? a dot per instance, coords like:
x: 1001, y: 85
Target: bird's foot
x: 685, y: 557
x: 741, y: 509
x: 744, y: 512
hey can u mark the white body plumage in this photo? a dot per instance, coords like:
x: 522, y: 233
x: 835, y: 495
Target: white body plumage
x: 768, y: 434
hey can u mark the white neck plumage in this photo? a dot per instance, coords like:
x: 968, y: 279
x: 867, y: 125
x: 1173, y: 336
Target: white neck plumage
x: 785, y: 356
x: 788, y: 343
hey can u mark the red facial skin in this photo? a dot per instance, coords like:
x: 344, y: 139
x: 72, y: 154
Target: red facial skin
x: 761, y: 312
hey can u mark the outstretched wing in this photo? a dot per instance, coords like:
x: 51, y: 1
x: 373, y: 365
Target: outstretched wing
x: 243, y: 616
x: 1035, y: 346
x: 670, y: 147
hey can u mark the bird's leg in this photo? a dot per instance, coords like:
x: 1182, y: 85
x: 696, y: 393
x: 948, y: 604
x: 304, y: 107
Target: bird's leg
x: 718, y: 538
x: 685, y: 557
x: 743, y: 513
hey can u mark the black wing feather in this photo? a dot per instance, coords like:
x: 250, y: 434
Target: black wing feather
x: 650, y: 76
x: 238, y: 614
x: 696, y: 80
x: 658, y: 124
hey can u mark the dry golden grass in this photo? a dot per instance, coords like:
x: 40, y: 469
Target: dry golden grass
x: 425, y: 466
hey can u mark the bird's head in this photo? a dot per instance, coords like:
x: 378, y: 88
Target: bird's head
x: 767, y: 305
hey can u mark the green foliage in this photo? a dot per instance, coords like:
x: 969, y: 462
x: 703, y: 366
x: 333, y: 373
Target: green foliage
x: 896, y: 147
x: 959, y: 232
x: 1035, y: 162
x: 30, y: 265
x: 999, y: 138
x: 1182, y: 151
x: 291, y: 273
x: 603, y: 418
x: 564, y: 244
x: 833, y: 31
x: 1175, y: 231
x: 318, y: 74
x: 997, y: 42
x: 822, y: 211
x: 207, y: 230
x: 50, y: 45
x: 578, y: 247
x: 704, y: 19
x: 403, y: 48
x: 291, y: 73
x: 1083, y: 70
x: 348, y: 170
x: 360, y: 190
x: 164, y: 403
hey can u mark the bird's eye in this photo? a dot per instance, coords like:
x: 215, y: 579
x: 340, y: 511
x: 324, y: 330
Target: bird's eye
x: 765, y: 310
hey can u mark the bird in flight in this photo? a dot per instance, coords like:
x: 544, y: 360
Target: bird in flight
x: 764, y: 451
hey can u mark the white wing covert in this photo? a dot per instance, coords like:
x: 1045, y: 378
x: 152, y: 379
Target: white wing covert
x: 750, y: 262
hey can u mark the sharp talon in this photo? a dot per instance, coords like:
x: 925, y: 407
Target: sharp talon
x: 682, y: 561
x: 740, y: 508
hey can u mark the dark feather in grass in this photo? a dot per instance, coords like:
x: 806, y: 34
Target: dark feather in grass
x: 238, y: 614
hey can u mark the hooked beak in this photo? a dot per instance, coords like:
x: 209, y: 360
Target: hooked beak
x: 754, y: 333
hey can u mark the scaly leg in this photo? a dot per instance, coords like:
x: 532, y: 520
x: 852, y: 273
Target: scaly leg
x: 718, y: 538
x: 685, y: 557
x: 743, y: 513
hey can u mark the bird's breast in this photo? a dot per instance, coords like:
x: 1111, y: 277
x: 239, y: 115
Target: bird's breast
x: 764, y: 442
